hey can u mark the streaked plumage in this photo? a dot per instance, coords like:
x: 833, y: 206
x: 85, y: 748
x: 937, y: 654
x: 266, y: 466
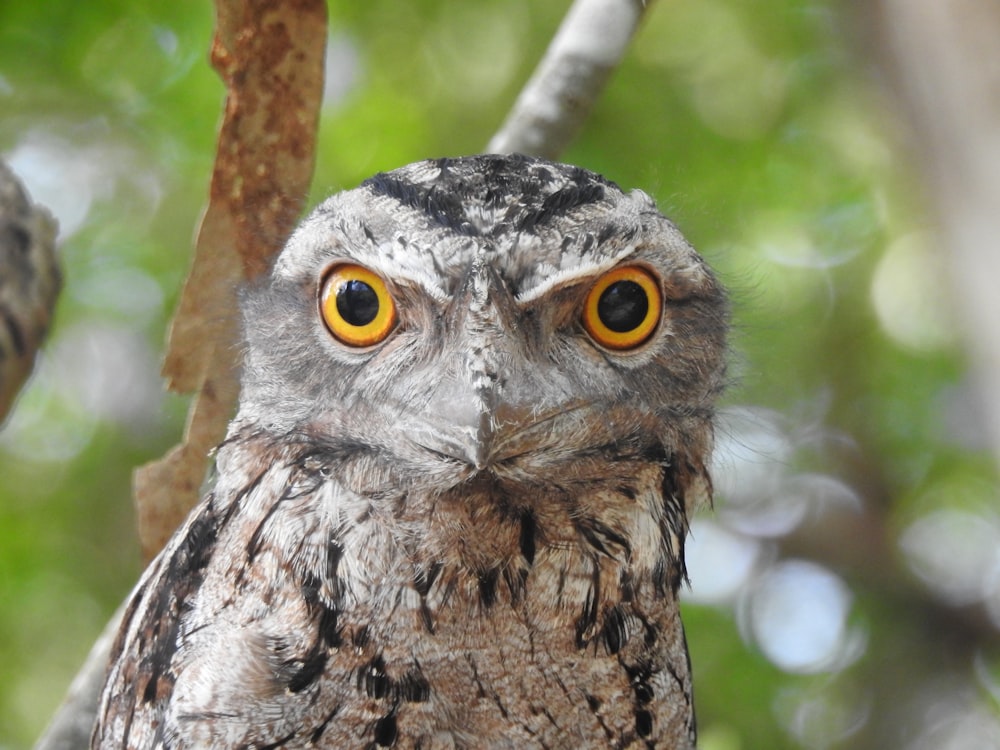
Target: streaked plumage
x: 468, y: 534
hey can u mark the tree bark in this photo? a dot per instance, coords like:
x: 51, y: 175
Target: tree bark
x: 30, y: 281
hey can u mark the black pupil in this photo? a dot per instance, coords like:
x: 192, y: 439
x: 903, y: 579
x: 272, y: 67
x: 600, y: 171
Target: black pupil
x: 357, y: 303
x: 623, y: 306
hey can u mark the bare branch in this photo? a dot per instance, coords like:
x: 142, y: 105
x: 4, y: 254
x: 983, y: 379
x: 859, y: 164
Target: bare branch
x: 557, y: 99
x: 29, y: 284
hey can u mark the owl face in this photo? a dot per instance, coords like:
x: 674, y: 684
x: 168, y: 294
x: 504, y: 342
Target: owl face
x: 476, y: 412
x: 490, y: 314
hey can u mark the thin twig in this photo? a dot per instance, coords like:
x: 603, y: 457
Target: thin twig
x: 556, y: 100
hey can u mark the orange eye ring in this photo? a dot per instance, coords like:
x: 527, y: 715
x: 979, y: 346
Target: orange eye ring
x: 623, y: 307
x: 356, y: 306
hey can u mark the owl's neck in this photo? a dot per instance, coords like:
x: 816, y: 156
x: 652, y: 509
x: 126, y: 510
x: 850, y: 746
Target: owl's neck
x: 579, y: 550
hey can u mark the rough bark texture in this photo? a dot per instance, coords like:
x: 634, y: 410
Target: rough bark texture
x: 270, y: 55
x: 29, y: 284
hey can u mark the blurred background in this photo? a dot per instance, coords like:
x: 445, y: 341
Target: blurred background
x: 846, y: 587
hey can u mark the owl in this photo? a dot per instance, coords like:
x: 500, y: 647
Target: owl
x: 476, y: 413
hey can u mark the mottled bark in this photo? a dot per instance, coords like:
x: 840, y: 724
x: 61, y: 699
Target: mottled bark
x: 30, y: 280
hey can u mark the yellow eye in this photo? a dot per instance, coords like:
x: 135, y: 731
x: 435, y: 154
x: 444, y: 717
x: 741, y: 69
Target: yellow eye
x: 356, y: 306
x: 623, y: 308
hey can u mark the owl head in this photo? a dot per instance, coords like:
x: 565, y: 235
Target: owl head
x: 497, y: 316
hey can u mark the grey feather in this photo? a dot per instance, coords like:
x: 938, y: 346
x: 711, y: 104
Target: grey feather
x: 468, y: 534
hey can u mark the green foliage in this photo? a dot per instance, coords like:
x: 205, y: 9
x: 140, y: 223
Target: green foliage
x: 752, y: 126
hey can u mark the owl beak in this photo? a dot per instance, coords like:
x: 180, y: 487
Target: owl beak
x: 461, y: 418
x: 461, y: 429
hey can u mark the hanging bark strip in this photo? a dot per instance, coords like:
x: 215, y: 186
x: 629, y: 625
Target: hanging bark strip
x: 270, y: 54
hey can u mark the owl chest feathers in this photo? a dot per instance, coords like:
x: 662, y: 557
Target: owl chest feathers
x: 486, y: 611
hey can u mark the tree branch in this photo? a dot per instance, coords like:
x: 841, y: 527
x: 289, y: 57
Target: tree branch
x: 73, y: 722
x: 29, y: 284
x: 560, y: 94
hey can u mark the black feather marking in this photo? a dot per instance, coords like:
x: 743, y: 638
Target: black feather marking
x: 309, y: 670
x: 360, y: 637
x: 607, y: 232
x: 374, y: 680
x: 318, y: 731
x: 310, y: 590
x: 628, y: 491
x: 643, y: 723
x: 655, y: 453
x: 329, y: 627
x: 444, y: 208
x: 162, y: 622
x: 488, y: 181
x: 602, y: 538
x: 594, y: 703
x: 640, y: 676
x: 481, y: 691
x: 488, y: 587
x: 626, y: 586
x: 385, y: 731
x: 615, y: 631
x: 517, y: 583
x: 424, y: 578
x: 273, y: 745
x: 334, y: 553
x: 561, y: 202
x: 643, y: 693
x: 670, y: 570
x: 426, y: 617
x: 526, y: 538
x: 413, y: 687
x: 587, y: 621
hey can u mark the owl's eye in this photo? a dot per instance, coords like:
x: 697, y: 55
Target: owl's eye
x: 356, y: 306
x: 623, y: 308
